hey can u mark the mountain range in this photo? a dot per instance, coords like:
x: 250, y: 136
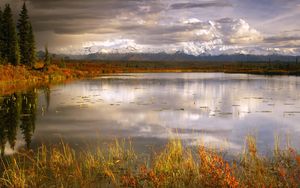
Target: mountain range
x: 177, y: 56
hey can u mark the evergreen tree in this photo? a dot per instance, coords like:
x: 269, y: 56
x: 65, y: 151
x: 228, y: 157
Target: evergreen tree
x: 10, y: 39
x: 26, y: 38
x: 47, y: 58
x: 1, y: 37
x: 31, y: 47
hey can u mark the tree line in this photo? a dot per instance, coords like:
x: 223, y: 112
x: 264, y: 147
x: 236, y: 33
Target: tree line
x: 17, y: 44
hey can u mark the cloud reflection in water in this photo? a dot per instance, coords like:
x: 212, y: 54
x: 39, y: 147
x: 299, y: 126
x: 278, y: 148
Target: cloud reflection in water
x: 208, y: 107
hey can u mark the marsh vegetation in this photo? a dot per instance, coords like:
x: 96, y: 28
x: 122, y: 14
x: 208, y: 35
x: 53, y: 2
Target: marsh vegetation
x: 174, y: 166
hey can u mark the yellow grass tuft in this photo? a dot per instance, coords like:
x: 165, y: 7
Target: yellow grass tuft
x: 175, y: 166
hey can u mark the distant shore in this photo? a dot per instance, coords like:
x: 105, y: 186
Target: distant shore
x: 261, y: 68
x: 15, y: 78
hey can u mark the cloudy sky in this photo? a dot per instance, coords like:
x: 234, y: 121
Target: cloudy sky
x: 191, y: 26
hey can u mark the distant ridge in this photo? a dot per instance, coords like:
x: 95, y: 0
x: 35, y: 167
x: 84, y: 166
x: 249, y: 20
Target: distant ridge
x: 178, y: 56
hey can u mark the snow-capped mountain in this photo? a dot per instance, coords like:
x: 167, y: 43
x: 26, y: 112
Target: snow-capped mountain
x: 224, y: 36
x: 213, y: 48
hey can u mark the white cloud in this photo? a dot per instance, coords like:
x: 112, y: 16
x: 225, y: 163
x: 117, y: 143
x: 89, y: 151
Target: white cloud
x: 111, y: 46
x: 239, y: 32
x: 192, y: 36
x: 154, y: 24
x: 191, y: 21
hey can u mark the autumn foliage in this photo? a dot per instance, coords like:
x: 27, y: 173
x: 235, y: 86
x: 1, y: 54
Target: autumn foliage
x: 175, y: 166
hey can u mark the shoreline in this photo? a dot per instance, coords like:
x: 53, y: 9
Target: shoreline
x: 19, y: 78
x: 119, y: 165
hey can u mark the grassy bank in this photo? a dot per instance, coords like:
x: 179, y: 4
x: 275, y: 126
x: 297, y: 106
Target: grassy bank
x: 175, y: 166
x: 18, y: 78
x: 263, y: 68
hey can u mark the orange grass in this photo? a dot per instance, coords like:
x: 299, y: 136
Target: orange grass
x: 13, y: 78
x: 19, y: 78
x: 175, y: 166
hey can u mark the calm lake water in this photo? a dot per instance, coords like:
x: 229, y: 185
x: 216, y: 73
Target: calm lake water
x: 216, y: 109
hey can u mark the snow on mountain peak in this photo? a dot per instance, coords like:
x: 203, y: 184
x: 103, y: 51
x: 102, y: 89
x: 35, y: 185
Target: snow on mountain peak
x: 214, y: 37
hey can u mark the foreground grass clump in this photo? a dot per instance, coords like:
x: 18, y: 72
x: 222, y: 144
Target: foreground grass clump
x: 175, y: 166
x: 280, y: 170
x: 179, y: 167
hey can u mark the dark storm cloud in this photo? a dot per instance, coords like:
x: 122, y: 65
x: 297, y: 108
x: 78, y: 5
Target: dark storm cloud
x: 162, y: 22
x: 199, y: 5
x: 77, y: 16
x: 105, y: 17
x: 80, y: 4
x: 278, y: 39
x: 163, y: 33
x: 224, y: 20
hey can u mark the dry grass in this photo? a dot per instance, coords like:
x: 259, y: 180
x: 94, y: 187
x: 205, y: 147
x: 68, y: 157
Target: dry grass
x: 19, y: 78
x: 264, y: 68
x: 175, y: 166
x: 13, y: 78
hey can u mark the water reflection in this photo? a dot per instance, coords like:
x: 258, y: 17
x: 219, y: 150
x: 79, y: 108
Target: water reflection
x: 209, y: 107
x: 215, y: 109
x: 18, y: 111
x: 47, y: 93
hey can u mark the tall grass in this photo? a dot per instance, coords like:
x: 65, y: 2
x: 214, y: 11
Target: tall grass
x: 175, y: 166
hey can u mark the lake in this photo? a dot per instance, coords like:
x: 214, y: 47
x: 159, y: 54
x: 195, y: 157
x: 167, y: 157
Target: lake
x: 215, y: 109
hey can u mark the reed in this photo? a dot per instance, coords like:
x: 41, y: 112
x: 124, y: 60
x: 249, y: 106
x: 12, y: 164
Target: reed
x: 175, y: 166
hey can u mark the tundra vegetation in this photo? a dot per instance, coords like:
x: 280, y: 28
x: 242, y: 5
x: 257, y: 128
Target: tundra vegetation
x: 174, y: 166
x: 119, y: 165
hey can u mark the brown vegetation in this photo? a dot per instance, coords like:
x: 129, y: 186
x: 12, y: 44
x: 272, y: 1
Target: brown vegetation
x: 274, y: 68
x: 14, y: 78
x: 175, y: 166
x: 18, y: 78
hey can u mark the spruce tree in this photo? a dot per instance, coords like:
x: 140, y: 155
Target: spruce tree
x: 31, y: 47
x: 47, y: 59
x: 26, y: 38
x: 10, y: 39
x: 1, y: 38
